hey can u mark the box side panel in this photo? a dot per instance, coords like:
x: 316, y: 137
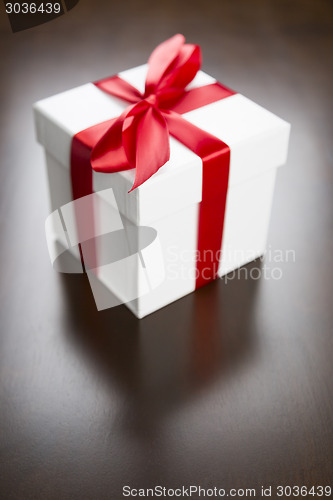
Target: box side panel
x: 60, y: 194
x: 177, y: 237
x: 59, y: 183
x: 118, y: 278
x: 247, y: 221
x: 245, y: 235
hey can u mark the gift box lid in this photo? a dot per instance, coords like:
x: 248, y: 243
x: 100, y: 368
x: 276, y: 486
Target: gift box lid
x: 258, y: 140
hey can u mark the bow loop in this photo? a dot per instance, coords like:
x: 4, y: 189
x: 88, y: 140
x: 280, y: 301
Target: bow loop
x: 172, y: 66
x: 126, y: 144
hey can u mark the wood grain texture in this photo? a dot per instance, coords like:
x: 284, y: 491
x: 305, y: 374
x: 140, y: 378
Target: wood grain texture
x: 230, y: 386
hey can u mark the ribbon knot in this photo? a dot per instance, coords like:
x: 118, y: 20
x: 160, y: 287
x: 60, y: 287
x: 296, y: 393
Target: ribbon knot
x: 152, y: 99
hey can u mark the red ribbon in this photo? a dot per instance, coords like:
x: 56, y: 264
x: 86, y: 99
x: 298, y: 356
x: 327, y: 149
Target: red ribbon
x: 139, y: 138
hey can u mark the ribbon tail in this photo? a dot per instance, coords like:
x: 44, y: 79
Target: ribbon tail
x: 146, y: 143
x: 160, y: 60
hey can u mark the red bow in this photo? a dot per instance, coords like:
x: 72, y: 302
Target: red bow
x: 139, y: 138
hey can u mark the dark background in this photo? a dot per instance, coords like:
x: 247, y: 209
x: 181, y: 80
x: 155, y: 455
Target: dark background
x: 230, y: 386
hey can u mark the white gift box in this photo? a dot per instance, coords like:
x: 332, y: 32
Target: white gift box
x: 163, y: 268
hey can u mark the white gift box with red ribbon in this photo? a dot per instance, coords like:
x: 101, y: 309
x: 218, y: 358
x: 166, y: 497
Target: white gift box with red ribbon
x: 165, y: 269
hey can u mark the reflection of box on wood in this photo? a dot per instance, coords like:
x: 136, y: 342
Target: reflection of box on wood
x: 170, y: 199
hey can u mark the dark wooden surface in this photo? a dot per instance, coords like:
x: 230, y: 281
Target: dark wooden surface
x: 230, y: 386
